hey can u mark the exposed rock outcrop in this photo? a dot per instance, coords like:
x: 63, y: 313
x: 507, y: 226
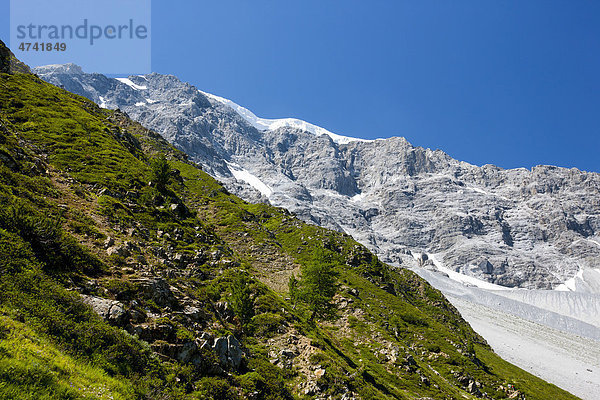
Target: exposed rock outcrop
x: 111, y: 310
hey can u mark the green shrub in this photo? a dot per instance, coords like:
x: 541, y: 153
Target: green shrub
x: 121, y: 289
x: 252, y: 382
x: 318, y: 358
x: 267, y: 379
x: 267, y: 324
x: 267, y: 303
x: 15, y: 255
x: 114, y: 210
x: 160, y: 173
x: 82, y: 224
x: 241, y: 298
x: 318, y: 285
x: 58, y: 251
x: 434, y: 348
x: 183, y: 334
x: 212, y: 388
x: 413, y: 320
x: 356, y: 324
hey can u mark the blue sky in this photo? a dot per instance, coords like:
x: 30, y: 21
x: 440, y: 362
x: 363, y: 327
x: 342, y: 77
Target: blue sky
x: 512, y: 83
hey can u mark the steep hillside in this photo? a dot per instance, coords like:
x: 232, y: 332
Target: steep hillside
x: 535, y: 229
x: 124, y: 274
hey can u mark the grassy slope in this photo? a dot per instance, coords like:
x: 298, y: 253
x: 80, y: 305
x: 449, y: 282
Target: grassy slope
x: 34, y: 368
x: 66, y: 160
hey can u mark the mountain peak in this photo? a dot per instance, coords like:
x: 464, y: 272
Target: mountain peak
x: 267, y: 124
x: 69, y: 69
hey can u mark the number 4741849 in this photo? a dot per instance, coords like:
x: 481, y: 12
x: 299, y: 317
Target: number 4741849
x: 42, y: 46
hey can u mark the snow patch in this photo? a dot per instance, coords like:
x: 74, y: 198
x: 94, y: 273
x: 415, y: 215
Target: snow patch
x: 150, y: 101
x: 476, y: 189
x: 132, y: 85
x: 560, y: 325
x: 102, y: 102
x: 593, y: 241
x: 358, y: 197
x: 586, y: 281
x: 244, y: 175
x: 139, y: 104
x: 265, y: 124
x: 486, y: 193
x: 462, y: 278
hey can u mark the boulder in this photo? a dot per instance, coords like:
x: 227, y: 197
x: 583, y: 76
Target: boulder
x: 109, y: 242
x: 193, y: 313
x: 220, y: 348
x: 319, y: 373
x: 228, y: 351
x: 110, y: 310
x: 187, y: 353
x: 486, y: 267
x: 234, y: 351
x: 118, y: 250
x: 158, y: 290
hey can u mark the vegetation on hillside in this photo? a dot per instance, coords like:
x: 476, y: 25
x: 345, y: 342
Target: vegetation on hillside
x: 317, y: 287
x: 127, y: 272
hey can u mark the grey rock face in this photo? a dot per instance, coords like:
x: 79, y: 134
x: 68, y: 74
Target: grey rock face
x: 521, y: 228
x: 158, y: 290
x: 111, y: 310
x: 228, y: 351
x: 187, y: 353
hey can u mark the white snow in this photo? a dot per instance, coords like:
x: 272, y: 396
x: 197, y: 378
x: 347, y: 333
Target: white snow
x: 150, y: 101
x: 139, y: 104
x: 476, y: 189
x: 132, y: 85
x: 358, y: 197
x: 486, y: 193
x: 462, y: 278
x: 264, y: 124
x: 102, y: 102
x: 244, y: 175
x: 586, y: 280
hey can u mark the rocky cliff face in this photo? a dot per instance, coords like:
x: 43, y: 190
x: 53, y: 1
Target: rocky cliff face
x: 521, y: 228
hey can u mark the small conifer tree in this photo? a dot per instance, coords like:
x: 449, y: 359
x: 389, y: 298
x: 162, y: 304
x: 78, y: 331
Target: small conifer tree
x: 160, y: 173
x: 241, y: 298
x: 317, y: 286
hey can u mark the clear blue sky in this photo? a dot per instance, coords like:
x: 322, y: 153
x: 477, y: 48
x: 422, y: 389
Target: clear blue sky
x: 513, y: 83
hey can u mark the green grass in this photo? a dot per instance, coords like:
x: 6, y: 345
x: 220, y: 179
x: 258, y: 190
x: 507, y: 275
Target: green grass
x: 74, y: 132
x: 32, y: 367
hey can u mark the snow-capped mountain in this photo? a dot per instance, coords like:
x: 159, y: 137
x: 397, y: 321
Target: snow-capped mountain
x: 537, y: 228
x: 476, y: 233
